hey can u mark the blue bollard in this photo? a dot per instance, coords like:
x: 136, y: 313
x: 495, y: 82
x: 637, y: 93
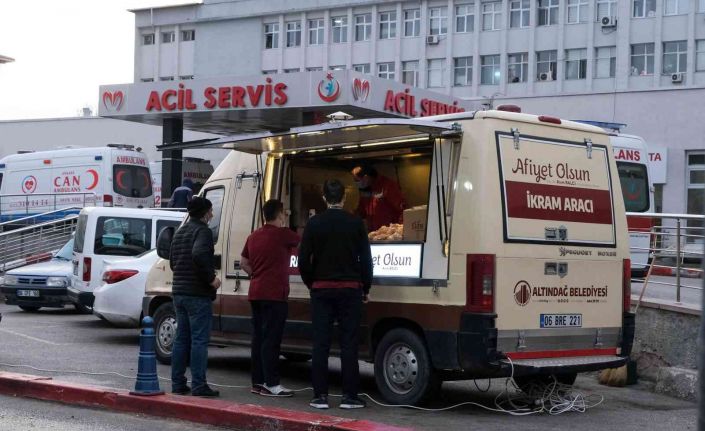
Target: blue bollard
x: 147, y: 381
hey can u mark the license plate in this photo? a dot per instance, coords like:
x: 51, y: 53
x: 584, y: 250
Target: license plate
x: 28, y: 293
x: 561, y: 320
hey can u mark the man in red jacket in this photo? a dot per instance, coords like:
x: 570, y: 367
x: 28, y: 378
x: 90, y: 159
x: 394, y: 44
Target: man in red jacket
x: 381, y: 200
x: 265, y: 258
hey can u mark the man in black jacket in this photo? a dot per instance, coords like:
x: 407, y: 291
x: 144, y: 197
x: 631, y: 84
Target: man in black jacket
x: 335, y: 263
x: 193, y: 289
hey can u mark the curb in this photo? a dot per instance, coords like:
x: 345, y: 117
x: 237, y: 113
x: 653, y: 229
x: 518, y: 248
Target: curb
x: 206, y: 411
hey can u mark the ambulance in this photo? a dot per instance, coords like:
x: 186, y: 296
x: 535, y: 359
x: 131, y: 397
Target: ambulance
x: 512, y: 258
x: 44, y: 181
x: 196, y: 169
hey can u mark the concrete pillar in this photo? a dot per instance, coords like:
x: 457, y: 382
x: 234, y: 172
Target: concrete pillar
x: 172, y: 131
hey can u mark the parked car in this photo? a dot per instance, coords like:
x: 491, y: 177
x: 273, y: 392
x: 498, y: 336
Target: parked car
x: 119, y: 299
x: 105, y: 233
x: 44, y: 284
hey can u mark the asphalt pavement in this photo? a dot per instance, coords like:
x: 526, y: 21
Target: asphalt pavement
x: 59, y: 341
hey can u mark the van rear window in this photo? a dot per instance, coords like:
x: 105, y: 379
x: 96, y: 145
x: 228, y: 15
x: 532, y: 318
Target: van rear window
x: 80, y: 237
x: 122, y: 236
x: 132, y: 181
x: 635, y: 186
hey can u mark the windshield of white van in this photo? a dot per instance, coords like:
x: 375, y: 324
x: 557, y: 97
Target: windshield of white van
x: 132, y: 181
x: 80, y: 233
x: 635, y: 186
x: 122, y: 236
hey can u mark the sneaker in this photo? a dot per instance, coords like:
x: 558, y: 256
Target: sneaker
x: 256, y: 388
x: 275, y: 391
x: 184, y: 390
x: 320, y: 402
x: 349, y: 402
x: 206, y: 391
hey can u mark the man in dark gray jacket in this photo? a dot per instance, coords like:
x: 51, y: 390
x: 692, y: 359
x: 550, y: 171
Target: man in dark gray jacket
x: 193, y: 289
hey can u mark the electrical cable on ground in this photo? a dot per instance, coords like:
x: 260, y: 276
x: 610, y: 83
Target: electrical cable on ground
x: 552, y: 398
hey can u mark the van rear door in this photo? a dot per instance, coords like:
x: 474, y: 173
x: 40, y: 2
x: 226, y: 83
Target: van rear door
x: 559, y: 285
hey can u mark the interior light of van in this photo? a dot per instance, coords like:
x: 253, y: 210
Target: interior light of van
x: 626, y: 285
x: 86, y: 269
x: 315, y: 132
x: 115, y: 275
x: 467, y: 185
x: 549, y: 119
x: 480, y: 274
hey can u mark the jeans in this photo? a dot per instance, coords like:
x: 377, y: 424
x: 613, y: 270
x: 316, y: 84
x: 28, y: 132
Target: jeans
x: 268, y: 320
x: 194, y: 317
x: 344, y: 306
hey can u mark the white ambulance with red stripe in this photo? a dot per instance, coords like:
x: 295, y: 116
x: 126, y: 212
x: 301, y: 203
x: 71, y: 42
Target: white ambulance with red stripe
x: 44, y: 181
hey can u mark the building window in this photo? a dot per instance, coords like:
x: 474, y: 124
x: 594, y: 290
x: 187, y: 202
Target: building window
x: 644, y: 8
x: 462, y: 71
x: 465, y: 18
x: 435, y: 73
x: 295, y: 70
x: 412, y: 22
x: 606, y: 8
x: 338, y: 67
x: 575, y: 63
x: 489, y: 70
x: 438, y: 20
x: 363, y: 27
x: 700, y: 55
x: 147, y: 79
x: 519, y: 13
x: 314, y: 69
x: 675, y: 7
x: 315, y: 32
x: 385, y: 70
x: 491, y: 16
x: 577, y: 11
x: 168, y: 37
x: 293, y: 34
x: 675, y: 55
x: 362, y: 68
x: 548, y: 12
x: 410, y: 73
x: 546, y: 65
x: 642, y: 61
x: 701, y: 6
x: 188, y: 35
x: 387, y: 25
x: 269, y: 72
x: 340, y: 29
x: 185, y: 77
x: 605, y: 62
x: 517, y: 67
x: 695, y: 190
x: 271, y: 35
x: 148, y: 39
x: 166, y: 78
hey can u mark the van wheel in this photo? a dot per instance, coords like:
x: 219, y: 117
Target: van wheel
x: 165, y: 331
x: 403, y: 369
x: 525, y: 383
x: 29, y: 308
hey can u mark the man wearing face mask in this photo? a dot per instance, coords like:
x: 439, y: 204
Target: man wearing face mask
x: 381, y: 200
x: 265, y: 258
x: 194, y: 287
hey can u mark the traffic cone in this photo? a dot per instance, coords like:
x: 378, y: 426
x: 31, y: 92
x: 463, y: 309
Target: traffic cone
x: 147, y: 381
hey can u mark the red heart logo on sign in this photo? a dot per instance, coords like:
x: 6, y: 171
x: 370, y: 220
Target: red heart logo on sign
x: 361, y: 89
x: 113, y: 100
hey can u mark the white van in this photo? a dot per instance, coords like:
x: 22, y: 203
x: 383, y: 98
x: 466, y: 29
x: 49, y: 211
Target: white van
x: 512, y: 258
x: 103, y: 233
x: 38, y: 182
x: 193, y: 168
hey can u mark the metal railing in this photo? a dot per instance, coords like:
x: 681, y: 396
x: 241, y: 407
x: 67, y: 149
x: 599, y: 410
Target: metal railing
x: 673, y: 253
x: 34, y: 243
x: 25, y: 204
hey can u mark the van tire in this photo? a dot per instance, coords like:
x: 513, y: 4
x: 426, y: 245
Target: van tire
x: 29, y: 308
x: 165, y: 331
x: 403, y: 370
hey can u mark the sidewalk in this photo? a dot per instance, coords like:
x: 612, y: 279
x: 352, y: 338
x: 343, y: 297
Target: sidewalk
x: 241, y: 417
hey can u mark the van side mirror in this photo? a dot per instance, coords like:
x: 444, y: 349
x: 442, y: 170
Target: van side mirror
x: 164, y: 242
